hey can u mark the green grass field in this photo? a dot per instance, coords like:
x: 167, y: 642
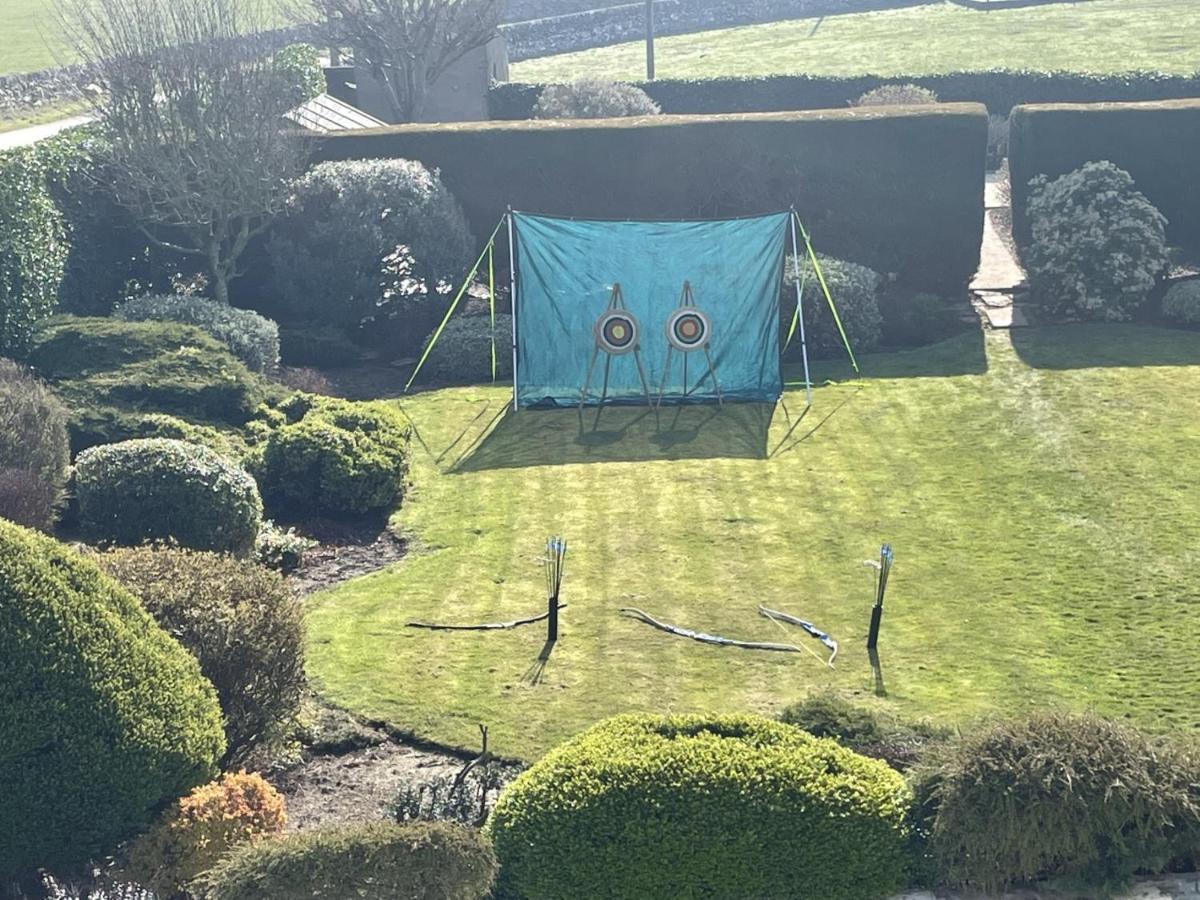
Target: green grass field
x: 1038, y: 490
x: 1098, y: 36
x: 29, y: 36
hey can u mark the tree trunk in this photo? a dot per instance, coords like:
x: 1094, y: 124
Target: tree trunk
x: 220, y: 287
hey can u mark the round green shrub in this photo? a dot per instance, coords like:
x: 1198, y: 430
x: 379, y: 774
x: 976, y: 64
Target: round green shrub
x: 1182, y: 302
x: 367, y: 241
x: 250, y: 337
x: 33, y: 249
x: 335, y: 457
x: 34, y: 448
x: 463, y: 353
x: 300, y: 66
x: 855, y: 292
x: 417, y: 861
x: 158, y: 489
x: 701, y: 806
x: 1098, y: 245
x: 240, y: 620
x: 897, y: 95
x: 103, y: 717
x: 591, y: 98
x: 1056, y: 796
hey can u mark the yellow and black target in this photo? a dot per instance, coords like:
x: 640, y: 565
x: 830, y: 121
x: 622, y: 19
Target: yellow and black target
x: 617, y: 332
x: 688, y: 329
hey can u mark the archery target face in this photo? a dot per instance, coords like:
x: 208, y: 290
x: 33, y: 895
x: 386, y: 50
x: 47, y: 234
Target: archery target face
x: 688, y: 329
x: 617, y: 332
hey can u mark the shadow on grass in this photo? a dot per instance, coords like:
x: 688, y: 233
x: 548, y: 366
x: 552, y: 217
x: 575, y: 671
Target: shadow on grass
x: 964, y: 354
x: 1098, y: 346
x: 548, y: 437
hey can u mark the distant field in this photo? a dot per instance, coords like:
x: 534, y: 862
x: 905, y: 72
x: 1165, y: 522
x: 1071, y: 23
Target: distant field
x: 1100, y: 36
x: 27, y: 33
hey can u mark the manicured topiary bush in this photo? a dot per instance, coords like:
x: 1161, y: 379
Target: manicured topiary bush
x: 158, y: 489
x: 697, y: 806
x: 590, y: 98
x: 1182, y: 302
x: 1071, y: 797
x: 252, y: 338
x: 1098, y: 245
x: 334, y: 457
x: 240, y: 620
x: 463, y: 353
x: 103, y: 717
x: 855, y: 292
x: 197, y: 830
x: 369, y: 240
x: 34, y: 451
x: 418, y: 861
x: 897, y: 95
x: 33, y: 249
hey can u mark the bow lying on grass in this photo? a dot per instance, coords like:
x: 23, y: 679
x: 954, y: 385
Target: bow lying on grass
x: 812, y: 629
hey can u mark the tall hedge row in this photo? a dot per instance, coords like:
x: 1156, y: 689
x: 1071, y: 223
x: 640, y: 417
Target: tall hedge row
x: 897, y: 189
x: 998, y: 89
x: 1156, y: 143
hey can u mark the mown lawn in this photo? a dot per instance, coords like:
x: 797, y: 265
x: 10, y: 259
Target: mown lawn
x: 1041, y: 499
x: 1097, y: 36
x: 28, y: 36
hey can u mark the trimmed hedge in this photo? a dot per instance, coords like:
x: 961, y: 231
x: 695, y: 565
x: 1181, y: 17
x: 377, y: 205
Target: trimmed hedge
x: 998, y: 89
x: 418, y: 861
x: 159, y: 489
x: 252, y: 338
x: 463, y: 353
x: 699, y: 806
x: 897, y: 189
x: 1154, y: 142
x: 103, y: 717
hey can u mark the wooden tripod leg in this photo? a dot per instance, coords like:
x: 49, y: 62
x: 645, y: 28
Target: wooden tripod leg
x: 662, y: 388
x: 604, y: 391
x: 712, y: 370
x: 587, y: 382
x: 637, y: 357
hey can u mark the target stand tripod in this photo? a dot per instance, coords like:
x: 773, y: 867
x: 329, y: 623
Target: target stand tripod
x: 616, y: 333
x: 689, y: 329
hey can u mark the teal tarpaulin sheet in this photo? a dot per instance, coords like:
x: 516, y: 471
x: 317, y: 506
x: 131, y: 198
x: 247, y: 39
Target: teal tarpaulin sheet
x: 566, y: 269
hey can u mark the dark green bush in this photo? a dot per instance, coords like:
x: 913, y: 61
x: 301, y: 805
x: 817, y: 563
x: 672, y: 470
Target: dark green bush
x: 240, y: 620
x: 894, y: 188
x: 591, y: 98
x: 896, y: 95
x: 34, y: 451
x: 103, y: 717
x: 829, y: 715
x: 1182, y: 302
x: 106, y: 369
x: 250, y: 337
x: 33, y: 249
x: 300, y: 64
x: 314, y: 344
x: 1055, y: 796
x: 419, y: 861
x: 367, y: 241
x: 694, y: 806
x: 463, y: 354
x: 1098, y: 245
x: 108, y: 425
x: 334, y: 457
x: 157, y: 489
x: 855, y: 293
x: 918, y: 319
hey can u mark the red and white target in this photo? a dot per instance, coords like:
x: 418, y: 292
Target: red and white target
x: 688, y: 329
x: 616, y: 332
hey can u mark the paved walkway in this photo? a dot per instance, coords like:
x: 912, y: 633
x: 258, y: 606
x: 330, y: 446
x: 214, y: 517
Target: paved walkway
x: 23, y: 137
x: 1000, y: 276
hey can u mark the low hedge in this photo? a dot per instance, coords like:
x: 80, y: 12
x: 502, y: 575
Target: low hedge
x: 103, y: 716
x: 1153, y: 142
x: 418, y: 861
x: 463, y: 352
x: 998, y: 89
x: 159, y: 489
x: 252, y: 338
x: 896, y: 189
x: 696, y: 806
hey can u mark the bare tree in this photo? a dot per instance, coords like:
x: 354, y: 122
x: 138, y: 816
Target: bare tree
x: 407, y: 44
x: 191, y: 105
